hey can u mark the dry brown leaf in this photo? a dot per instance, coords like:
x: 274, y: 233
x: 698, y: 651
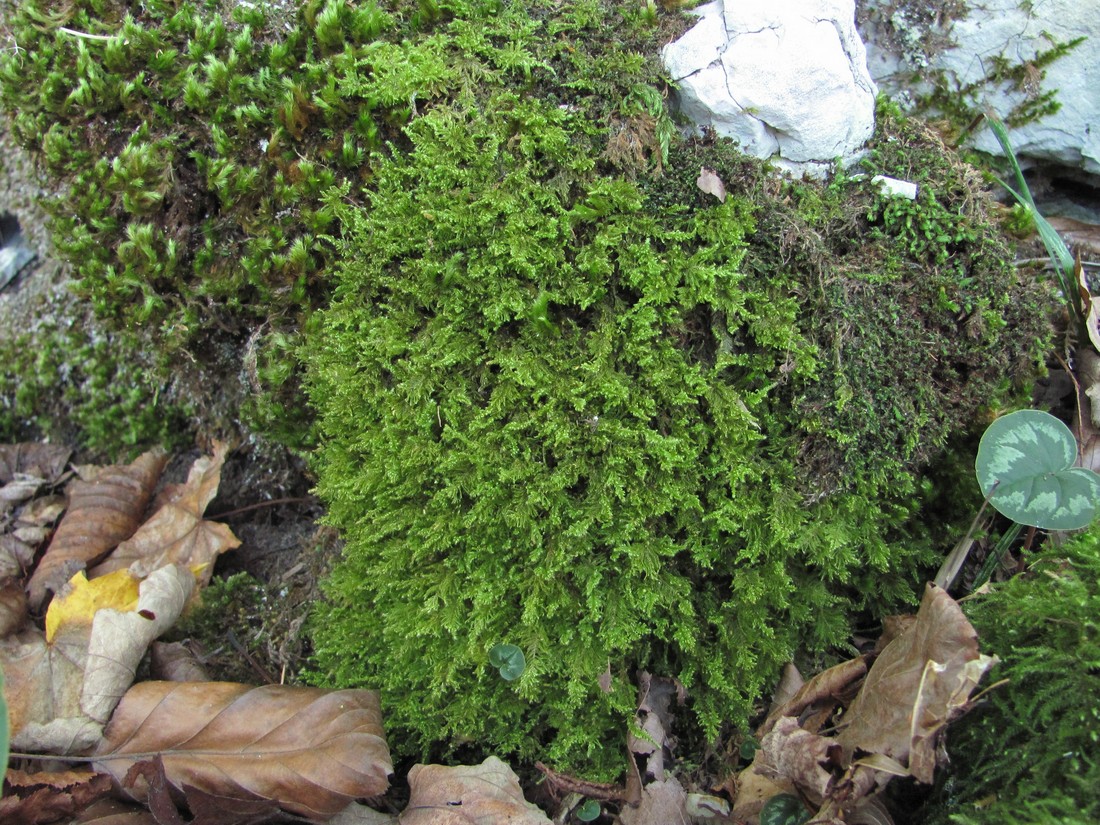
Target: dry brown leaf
x: 176, y: 662
x: 101, y: 514
x: 648, y: 738
x: 662, y: 804
x: 753, y: 789
x: 825, y: 688
x: 60, y: 693
x: 13, y: 606
x: 309, y: 750
x: 42, y: 687
x: 114, y: 812
x: 177, y: 532
x: 710, y: 183
x: 483, y: 794
x: 42, y: 512
x: 919, y: 683
x: 46, y: 461
x: 205, y: 809
x: 40, y: 798
x: 1078, y: 235
x: 358, y: 814
x: 789, y: 752
x: 15, y: 556
x: 119, y: 639
x: 18, y: 490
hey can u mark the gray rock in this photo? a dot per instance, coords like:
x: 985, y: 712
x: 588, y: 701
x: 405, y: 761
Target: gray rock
x: 899, y: 32
x: 786, y: 78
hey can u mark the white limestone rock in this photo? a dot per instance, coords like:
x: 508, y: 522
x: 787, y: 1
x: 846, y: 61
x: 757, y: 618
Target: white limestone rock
x: 787, y: 79
x: 992, y: 29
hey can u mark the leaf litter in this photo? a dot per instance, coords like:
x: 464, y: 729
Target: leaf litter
x: 111, y: 580
x: 114, y: 577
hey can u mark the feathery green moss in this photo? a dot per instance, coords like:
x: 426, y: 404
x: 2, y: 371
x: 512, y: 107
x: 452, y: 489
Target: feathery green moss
x: 1030, y: 754
x: 570, y: 402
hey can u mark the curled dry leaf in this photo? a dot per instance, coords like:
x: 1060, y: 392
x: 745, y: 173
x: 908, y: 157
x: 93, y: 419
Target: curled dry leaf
x: 789, y: 752
x: 485, y: 793
x: 176, y: 662
x: 205, y: 809
x: 114, y: 812
x: 824, y: 689
x: 120, y: 638
x: 308, y: 750
x: 18, y: 490
x: 13, y: 605
x: 1079, y: 235
x: 710, y: 183
x: 34, y: 798
x: 919, y: 683
x: 101, y: 513
x: 177, y: 532
x: 45, y: 461
x: 358, y: 814
x: 663, y: 803
x: 649, y: 739
x: 753, y: 789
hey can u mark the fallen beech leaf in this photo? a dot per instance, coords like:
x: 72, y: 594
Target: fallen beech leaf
x: 177, y: 532
x: 705, y: 806
x: 15, y: 556
x: 101, y: 514
x: 710, y: 183
x: 176, y: 662
x: 46, y: 461
x: 13, y: 605
x: 211, y: 809
x: 753, y: 789
x: 870, y: 812
x: 60, y: 694
x: 824, y: 688
x: 919, y: 682
x: 38, y: 798
x: 308, y: 750
x: 119, y: 638
x: 1082, y: 236
x: 653, y: 722
x: 205, y: 809
x: 789, y: 752
x: 42, y: 686
x: 485, y: 793
x: 42, y: 512
x: 18, y: 490
x: 663, y: 803
x: 358, y: 814
x: 114, y: 812
x: 77, y: 602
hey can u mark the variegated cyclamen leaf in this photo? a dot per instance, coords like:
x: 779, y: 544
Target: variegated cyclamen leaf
x: 1025, y: 468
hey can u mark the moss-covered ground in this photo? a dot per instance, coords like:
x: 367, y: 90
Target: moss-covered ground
x: 558, y: 396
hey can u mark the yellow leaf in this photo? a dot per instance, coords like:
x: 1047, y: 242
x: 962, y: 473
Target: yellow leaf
x: 78, y: 602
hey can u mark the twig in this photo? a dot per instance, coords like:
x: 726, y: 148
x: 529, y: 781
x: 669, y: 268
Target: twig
x: 273, y: 503
x: 599, y: 791
x: 261, y: 671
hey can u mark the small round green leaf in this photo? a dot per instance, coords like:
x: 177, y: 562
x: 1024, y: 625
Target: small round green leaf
x: 1025, y: 468
x: 588, y: 811
x: 783, y: 809
x: 509, y: 660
